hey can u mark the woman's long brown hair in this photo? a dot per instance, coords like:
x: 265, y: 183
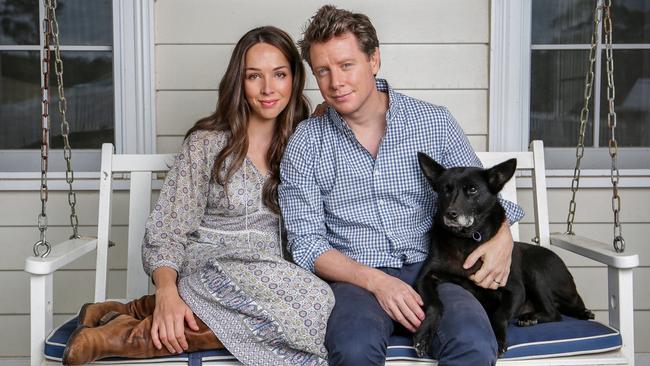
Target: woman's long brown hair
x: 232, y: 111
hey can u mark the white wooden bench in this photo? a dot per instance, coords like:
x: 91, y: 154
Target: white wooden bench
x: 142, y: 170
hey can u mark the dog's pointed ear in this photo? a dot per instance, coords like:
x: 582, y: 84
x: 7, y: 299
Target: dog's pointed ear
x: 431, y: 169
x: 500, y: 174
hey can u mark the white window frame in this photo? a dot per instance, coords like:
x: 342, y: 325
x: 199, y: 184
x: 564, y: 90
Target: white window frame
x: 134, y: 96
x: 509, y: 100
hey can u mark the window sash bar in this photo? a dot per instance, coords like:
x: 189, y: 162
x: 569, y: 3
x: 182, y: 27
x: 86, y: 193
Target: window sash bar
x: 63, y: 48
x: 580, y: 46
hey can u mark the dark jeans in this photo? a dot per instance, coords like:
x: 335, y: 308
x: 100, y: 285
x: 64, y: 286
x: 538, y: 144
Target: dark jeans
x: 358, y: 329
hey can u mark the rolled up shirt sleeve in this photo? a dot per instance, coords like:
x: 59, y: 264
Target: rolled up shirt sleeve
x: 301, y: 201
x: 459, y: 152
x: 514, y: 212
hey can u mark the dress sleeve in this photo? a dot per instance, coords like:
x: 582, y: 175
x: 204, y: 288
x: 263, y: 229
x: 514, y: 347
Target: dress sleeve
x: 180, y: 206
x: 459, y: 152
x: 301, y: 202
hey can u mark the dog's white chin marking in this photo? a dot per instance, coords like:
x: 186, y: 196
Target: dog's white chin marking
x: 461, y: 221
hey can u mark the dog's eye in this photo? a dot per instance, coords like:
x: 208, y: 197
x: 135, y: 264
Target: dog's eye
x: 472, y: 190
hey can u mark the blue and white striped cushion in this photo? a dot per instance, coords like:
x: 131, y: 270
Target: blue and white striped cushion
x: 568, y: 337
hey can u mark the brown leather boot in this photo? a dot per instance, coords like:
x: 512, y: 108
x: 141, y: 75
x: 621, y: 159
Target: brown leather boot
x: 126, y: 336
x: 141, y: 308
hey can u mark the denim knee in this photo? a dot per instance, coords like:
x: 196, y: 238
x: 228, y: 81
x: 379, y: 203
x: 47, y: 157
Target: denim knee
x: 356, y: 350
x: 465, y: 335
x: 469, y: 347
x: 358, y: 329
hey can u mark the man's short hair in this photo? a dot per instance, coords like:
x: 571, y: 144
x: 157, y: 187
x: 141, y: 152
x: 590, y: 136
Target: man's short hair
x: 330, y: 22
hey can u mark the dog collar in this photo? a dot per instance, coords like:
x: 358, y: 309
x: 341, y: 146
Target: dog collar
x: 477, y: 236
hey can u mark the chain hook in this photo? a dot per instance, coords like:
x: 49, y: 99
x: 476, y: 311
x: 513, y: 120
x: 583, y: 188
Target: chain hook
x: 38, y: 245
x: 619, y: 244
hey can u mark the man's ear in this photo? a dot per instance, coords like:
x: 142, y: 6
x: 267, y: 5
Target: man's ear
x: 500, y: 174
x: 375, y: 61
x: 431, y: 169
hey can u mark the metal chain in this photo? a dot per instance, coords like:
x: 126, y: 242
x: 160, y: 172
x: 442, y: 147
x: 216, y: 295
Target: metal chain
x: 43, y: 244
x: 65, y: 126
x: 584, y: 117
x: 618, y: 241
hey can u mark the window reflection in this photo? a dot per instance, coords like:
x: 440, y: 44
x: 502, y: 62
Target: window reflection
x: 631, y: 21
x: 20, y: 107
x: 19, y: 22
x: 85, y: 22
x: 632, y: 99
x: 88, y: 82
x: 557, y: 79
x: 562, y: 22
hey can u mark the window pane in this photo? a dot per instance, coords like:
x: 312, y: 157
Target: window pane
x: 631, y: 21
x: 556, y: 97
x: 88, y: 82
x: 19, y: 22
x: 85, y: 22
x: 20, y: 107
x: 562, y: 22
x: 632, y: 101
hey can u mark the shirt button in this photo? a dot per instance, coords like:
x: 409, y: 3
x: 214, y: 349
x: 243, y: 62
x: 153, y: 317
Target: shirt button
x: 376, y: 172
x: 381, y: 202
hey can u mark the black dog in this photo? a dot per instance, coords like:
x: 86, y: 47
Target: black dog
x: 539, y: 287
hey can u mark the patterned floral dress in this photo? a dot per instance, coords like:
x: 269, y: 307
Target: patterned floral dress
x: 226, y: 247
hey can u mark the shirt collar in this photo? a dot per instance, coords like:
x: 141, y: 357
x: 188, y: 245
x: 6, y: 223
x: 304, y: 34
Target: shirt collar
x: 392, y: 115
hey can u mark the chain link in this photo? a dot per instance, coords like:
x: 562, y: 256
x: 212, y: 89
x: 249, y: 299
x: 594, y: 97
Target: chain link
x: 584, y: 117
x: 618, y: 241
x: 65, y: 126
x: 42, y: 247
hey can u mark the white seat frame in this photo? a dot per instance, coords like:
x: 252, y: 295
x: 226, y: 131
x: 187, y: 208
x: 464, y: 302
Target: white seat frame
x: 142, y: 169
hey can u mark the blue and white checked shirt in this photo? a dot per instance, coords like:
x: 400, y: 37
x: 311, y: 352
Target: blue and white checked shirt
x: 376, y: 211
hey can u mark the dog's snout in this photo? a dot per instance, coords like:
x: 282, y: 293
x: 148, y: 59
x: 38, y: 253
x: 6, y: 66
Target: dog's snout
x: 452, y: 214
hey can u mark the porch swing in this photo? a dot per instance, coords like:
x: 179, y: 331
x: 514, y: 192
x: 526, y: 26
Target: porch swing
x: 570, y: 342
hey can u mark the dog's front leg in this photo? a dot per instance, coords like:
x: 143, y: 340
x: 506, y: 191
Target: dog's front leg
x: 510, y: 302
x: 427, y: 287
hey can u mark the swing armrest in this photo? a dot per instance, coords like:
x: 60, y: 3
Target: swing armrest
x: 595, y: 250
x: 61, y: 254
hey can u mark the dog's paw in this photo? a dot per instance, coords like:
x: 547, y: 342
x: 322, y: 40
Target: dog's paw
x: 587, y: 314
x: 503, y: 347
x: 422, y: 349
x: 422, y: 343
x: 526, y: 320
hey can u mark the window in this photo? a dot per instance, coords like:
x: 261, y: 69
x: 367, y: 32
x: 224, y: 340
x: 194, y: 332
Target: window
x: 86, y: 37
x: 107, y: 49
x: 548, y: 70
x: 560, y: 43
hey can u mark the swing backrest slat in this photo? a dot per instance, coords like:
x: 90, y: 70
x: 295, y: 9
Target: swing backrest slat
x: 140, y: 170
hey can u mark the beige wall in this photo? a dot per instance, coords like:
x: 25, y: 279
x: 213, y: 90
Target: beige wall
x: 433, y: 50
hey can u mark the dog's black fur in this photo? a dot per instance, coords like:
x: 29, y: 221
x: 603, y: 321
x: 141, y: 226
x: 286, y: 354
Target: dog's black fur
x: 539, y: 287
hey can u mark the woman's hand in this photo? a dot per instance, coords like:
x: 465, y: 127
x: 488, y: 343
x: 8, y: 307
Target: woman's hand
x: 496, y: 255
x: 170, y: 314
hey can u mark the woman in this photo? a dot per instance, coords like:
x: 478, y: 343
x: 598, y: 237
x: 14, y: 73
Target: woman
x: 213, y: 241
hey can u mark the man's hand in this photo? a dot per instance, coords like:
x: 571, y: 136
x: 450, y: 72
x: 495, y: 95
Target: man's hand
x: 398, y: 299
x: 496, y: 255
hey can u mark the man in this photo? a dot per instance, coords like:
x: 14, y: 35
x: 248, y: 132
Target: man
x: 358, y: 210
